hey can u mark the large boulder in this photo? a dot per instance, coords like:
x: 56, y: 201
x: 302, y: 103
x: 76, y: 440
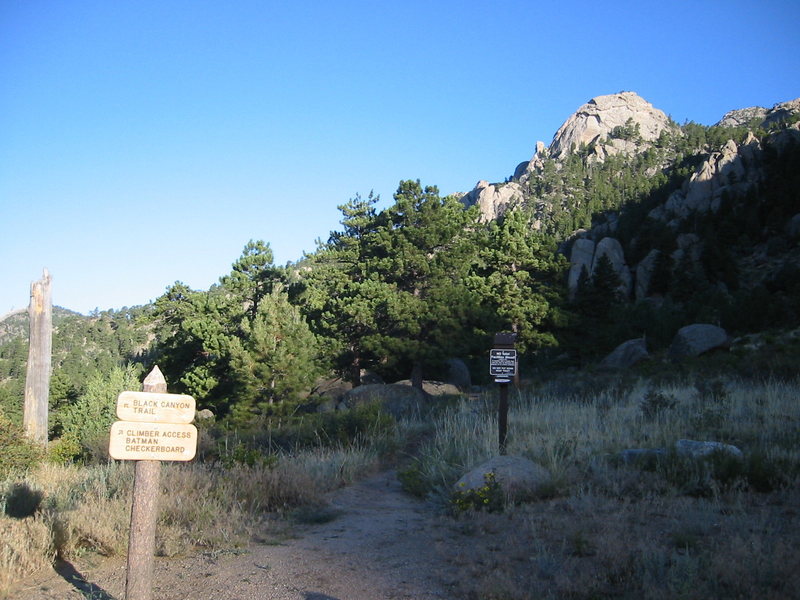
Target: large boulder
x: 612, y: 249
x: 644, y: 274
x: 694, y: 340
x: 626, y: 355
x: 397, y: 400
x: 519, y: 478
x: 332, y: 389
x: 580, y: 258
x: 434, y: 388
x: 697, y: 449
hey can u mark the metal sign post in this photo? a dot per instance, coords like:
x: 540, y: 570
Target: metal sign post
x: 503, y: 367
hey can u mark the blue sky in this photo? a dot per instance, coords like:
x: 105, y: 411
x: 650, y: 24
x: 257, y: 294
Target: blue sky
x: 143, y: 143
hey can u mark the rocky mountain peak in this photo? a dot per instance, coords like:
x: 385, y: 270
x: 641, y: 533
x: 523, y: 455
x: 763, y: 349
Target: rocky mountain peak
x: 746, y: 116
x: 601, y: 116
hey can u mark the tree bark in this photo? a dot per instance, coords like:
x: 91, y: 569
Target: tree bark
x: 416, y: 375
x: 37, y: 380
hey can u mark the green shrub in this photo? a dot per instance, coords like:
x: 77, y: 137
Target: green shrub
x: 413, y: 481
x: 64, y: 449
x: 243, y: 455
x: 488, y: 497
x: 18, y: 452
x: 89, y: 420
x: 656, y: 403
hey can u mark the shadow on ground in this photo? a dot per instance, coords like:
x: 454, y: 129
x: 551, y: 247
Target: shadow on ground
x: 78, y: 581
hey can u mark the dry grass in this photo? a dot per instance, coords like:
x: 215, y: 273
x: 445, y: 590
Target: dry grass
x: 617, y: 531
x: 587, y: 546
x: 66, y: 511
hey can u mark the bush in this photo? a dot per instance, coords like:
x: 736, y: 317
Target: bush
x: 413, y: 480
x: 488, y: 497
x: 86, y: 424
x: 18, y: 452
x: 656, y: 403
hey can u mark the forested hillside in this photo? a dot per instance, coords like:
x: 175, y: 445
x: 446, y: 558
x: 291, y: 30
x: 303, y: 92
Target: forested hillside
x: 703, y: 222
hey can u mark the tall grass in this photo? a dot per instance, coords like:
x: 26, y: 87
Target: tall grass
x: 675, y: 529
x: 574, y: 432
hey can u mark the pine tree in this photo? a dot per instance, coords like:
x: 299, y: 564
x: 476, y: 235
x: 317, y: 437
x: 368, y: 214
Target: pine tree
x: 520, y: 279
x: 343, y: 297
x: 424, y: 248
x: 275, y: 359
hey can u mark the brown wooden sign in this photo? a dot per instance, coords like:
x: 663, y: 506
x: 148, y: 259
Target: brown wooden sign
x: 152, y: 407
x: 136, y: 440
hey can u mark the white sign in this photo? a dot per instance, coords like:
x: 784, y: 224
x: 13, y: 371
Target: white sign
x: 136, y: 440
x: 502, y: 363
x: 152, y: 407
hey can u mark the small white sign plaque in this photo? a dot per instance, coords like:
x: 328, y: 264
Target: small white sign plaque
x: 136, y: 440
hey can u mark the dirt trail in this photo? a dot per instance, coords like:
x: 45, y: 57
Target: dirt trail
x: 383, y: 545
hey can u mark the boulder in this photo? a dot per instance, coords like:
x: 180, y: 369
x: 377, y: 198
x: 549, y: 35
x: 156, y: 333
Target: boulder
x: 435, y: 388
x: 519, y: 478
x: 204, y: 415
x: 580, y: 258
x: 694, y: 340
x: 457, y: 374
x: 695, y: 449
x: 611, y: 248
x: 397, y: 400
x: 644, y: 273
x: 626, y: 355
x: 332, y: 389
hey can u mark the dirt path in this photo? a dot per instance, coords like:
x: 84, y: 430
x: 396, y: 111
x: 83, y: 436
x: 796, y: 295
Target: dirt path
x: 383, y: 545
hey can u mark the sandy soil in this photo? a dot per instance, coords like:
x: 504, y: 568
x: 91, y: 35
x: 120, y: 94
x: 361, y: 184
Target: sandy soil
x: 384, y: 544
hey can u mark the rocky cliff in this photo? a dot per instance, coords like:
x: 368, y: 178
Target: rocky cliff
x: 606, y: 125
x: 738, y: 172
x: 596, y: 120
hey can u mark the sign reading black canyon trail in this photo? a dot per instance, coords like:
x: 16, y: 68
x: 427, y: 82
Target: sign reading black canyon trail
x: 155, y: 408
x: 155, y: 426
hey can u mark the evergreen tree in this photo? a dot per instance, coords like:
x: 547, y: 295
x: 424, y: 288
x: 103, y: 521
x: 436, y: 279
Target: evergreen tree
x: 344, y: 298
x: 276, y: 358
x: 520, y: 280
x: 425, y: 249
x: 597, y: 296
x: 661, y: 277
x: 228, y: 346
x: 253, y: 276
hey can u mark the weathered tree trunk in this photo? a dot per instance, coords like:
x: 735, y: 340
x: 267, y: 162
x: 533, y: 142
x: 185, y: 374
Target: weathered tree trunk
x: 416, y: 375
x: 355, y: 369
x: 37, y: 380
x: 144, y: 513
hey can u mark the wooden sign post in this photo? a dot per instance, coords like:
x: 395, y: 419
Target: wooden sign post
x: 156, y: 427
x: 503, y: 367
